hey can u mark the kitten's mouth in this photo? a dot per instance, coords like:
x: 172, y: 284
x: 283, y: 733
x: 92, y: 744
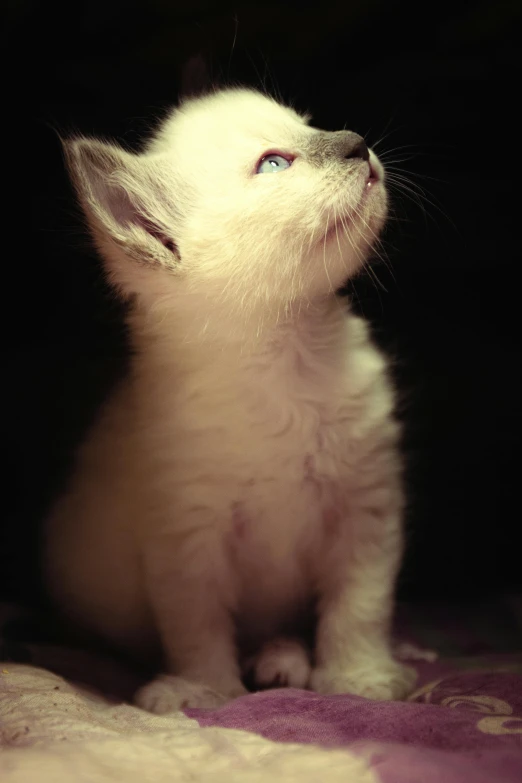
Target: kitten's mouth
x: 373, y: 176
x: 343, y: 222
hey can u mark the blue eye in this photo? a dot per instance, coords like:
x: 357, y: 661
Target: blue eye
x: 273, y: 163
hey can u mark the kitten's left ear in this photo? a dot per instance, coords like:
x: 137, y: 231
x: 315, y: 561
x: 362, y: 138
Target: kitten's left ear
x: 125, y: 199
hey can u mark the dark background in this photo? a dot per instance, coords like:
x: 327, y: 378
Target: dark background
x: 441, y: 81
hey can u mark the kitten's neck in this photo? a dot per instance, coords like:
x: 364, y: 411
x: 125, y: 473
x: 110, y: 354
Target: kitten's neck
x: 199, y: 331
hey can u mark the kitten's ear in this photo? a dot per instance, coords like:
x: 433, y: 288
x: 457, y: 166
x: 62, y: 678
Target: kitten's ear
x: 125, y: 200
x: 195, y: 77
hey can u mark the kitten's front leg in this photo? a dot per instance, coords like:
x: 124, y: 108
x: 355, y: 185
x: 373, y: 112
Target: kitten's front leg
x: 188, y: 591
x: 353, y: 651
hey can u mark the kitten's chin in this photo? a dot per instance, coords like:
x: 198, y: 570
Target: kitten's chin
x: 362, y: 223
x: 346, y: 249
x: 349, y: 246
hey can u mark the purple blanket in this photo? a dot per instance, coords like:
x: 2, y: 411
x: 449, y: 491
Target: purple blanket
x: 463, y: 727
x: 463, y: 724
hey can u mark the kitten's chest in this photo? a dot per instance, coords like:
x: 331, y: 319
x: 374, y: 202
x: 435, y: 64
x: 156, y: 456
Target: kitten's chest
x: 289, y: 443
x: 293, y: 504
x: 293, y: 435
x: 281, y: 529
x: 294, y: 493
x: 312, y: 433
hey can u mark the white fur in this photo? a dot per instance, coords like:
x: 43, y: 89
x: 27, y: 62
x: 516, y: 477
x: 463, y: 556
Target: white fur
x: 281, y: 662
x: 248, y: 466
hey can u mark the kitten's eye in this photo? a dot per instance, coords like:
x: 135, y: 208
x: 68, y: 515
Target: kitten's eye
x: 272, y: 163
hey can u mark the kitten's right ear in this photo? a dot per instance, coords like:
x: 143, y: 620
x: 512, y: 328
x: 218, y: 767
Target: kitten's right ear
x: 195, y: 77
x: 125, y: 199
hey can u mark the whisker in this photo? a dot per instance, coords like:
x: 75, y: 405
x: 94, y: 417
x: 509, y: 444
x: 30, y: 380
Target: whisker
x: 324, y: 252
x: 363, y: 260
x: 390, y: 168
x: 412, y: 190
x: 232, y: 48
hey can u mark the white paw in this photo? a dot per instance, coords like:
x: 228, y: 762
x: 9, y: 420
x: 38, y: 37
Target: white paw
x: 282, y: 663
x: 405, y: 651
x: 168, y: 694
x: 384, y: 680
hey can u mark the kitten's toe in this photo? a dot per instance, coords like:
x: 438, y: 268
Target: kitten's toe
x: 169, y: 694
x: 282, y: 663
x: 386, y: 680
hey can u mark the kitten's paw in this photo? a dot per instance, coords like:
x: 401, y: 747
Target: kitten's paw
x: 405, y: 651
x: 168, y: 694
x: 383, y: 681
x: 282, y: 663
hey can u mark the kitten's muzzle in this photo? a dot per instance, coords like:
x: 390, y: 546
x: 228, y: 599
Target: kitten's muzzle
x: 343, y: 145
x: 351, y: 146
x: 355, y: 147
x: 347, y: 145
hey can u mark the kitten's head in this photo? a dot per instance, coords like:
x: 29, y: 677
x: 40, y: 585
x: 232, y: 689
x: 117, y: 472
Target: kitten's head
x: 236, y: 197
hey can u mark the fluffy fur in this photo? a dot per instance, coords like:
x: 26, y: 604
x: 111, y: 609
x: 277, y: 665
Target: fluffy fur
x: 246, y: 476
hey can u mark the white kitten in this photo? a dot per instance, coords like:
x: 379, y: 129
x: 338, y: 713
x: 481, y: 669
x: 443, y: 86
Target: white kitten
x: 246, y: 473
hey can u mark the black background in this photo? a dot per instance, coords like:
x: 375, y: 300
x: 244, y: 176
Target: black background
x: 441, y: 81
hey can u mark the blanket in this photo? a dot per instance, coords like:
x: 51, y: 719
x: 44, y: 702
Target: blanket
x: 65, y: 715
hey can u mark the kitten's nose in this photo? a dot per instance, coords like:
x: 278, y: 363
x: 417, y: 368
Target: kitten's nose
x: 354, y: 146
x: 340, y: 145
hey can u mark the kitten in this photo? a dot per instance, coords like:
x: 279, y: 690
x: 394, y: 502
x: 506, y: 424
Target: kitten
x: 246, y: 475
